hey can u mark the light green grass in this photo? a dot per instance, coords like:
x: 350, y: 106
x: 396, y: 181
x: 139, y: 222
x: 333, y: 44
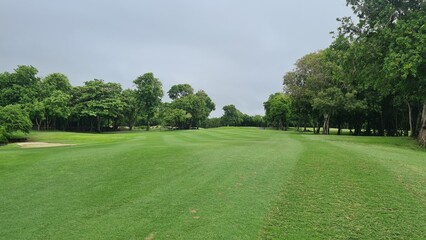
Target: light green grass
x: 227, y: 183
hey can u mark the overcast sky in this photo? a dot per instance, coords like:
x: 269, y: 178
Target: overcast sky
x: 235, y: 50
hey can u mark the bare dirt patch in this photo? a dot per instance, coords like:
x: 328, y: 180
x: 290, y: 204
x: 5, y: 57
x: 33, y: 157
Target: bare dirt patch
x: 150, y: 236
x: 42, y: 144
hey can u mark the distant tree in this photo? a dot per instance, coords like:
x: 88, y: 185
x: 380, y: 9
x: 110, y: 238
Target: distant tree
x: 149, y: 94
x: 37, y: 113
x: 295, y: 84
x: 56, y: 82
x: 212, y: 123
x: 278, y: 110
x: 131, y: 108
x: 198, y: 106
x: 303, y: 84
x: 180, y: 90
x: 257, y: 121
x: 175, y: 117
x: 56, y: 106
x: 208, y: 105
x: 193, y: 105
x: 231, y: 116
x: 99, y: 100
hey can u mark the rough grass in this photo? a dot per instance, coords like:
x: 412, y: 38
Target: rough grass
x: 227, y: 183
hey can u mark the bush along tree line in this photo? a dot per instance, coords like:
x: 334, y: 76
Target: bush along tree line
x: 371, y: 79
x: 51, y: 103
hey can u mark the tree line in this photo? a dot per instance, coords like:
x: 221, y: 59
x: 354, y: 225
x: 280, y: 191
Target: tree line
x: 235, y: 118
x: 371, y: 79
x: 51, y: 103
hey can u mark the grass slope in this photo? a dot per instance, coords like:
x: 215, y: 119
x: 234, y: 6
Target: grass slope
x: 228, y: 183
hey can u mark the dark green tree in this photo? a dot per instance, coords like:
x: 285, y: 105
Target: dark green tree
x: 131, y: 108
x: 14, y: 118
x: 149, y: 93
x: 278, y: 110
x: 180, y: 90
x: 231, y: 116
x: 99, y: 101
x: 198, y: 105
x: 56, y: 106
x: 56, y: 82
x: 19, y: 87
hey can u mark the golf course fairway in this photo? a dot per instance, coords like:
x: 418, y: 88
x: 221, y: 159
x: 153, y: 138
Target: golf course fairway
x: 225, y: 183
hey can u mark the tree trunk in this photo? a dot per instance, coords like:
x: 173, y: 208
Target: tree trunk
x: 46, y: 123
x: 132, y: 124
x: 319, y: 127
x: 98, y: 119
x: 38, y: 124
x: 410, y: 120
x: 148, y: 125
x: 381, y: 129
x: 368, y: 129
x: 326, y: 124
x: 91, y: 125
x: 339, y: 127
x: 422, y: 134
x: 417, y: 126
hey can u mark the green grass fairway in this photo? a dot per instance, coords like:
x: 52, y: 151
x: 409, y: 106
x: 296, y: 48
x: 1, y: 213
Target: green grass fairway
x: 226, y: 183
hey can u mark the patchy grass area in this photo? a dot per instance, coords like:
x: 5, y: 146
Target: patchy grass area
x: 227, y: 183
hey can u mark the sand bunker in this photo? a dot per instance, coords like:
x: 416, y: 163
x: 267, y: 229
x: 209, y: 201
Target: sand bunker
x: 42, y: 144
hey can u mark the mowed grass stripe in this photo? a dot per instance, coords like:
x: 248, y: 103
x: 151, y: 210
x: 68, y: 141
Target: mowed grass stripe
x: 407, y: 166
x: 339, y: 193
x: 143, y: 185
x: 241, y: 133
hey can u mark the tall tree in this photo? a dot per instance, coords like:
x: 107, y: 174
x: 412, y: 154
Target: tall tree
x: 149, y: 94
x: 401, y: 25
x: 405, y: 63
x: 198, y: 105
x: 310, y: 77
x: 99, y: 101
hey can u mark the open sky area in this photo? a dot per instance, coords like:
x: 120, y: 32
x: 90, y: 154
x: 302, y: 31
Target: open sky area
x: 237, y: 51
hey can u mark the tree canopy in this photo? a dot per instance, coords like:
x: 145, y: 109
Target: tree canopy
x: 371, y: 79
x: 149, y: 94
